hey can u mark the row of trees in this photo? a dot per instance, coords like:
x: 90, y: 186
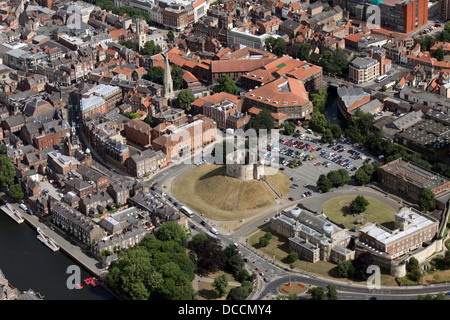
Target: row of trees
x: 358, y: 131
x: 209, y: 258
x: 335, y: 178
x: 157, y: 268
x: 129, y: 11
x: 321, y: 293
x: 7, y: 174
x: 320, y: 124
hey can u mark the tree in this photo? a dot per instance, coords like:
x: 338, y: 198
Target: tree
x: 226, y: 84
x: 346, y: 269
x: 413, y: 263
x: 359, y: 204
x: 289, y: 128
x: 130, y: 44
x: 170, y: 36
x: 7, y: 171
x: 263, y: 120
x: 361, y: 263
x: 332, y: 293
x: 236, y: 294
x: 292, y: 257
x: 156, y: 75
x: 335, y: 178
x: 276, y: 46
x: 319, y: 100
x: 210, y: 257
x: 318, y: 293
x: 336, y: 130
x: 150, y: 48
x: 177, y: 76
x: 304, y: 51
x: 345, y: 177
x: 198, y: 240
x: 150, y: 120
x: 334, y: 62
x: 220, y: 284
x: 327, y: 136
x: 427, y: 200
x: 318, y: 122
x: 364, y: 174
x: 323, y: 183
x: 16, y: 192
x: 263, y: 242
x: 172, y: 231
x: 185, y: 98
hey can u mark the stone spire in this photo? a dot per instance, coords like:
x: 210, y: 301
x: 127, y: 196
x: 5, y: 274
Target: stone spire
x: 168, y: 83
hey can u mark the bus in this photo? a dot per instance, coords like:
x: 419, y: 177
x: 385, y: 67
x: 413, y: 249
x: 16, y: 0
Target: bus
x: 209, y: 234
x: 383, y: 77
x: 187, y: 211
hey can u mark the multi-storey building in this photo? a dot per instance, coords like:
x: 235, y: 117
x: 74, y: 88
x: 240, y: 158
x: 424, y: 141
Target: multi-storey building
x: 410, y: 179
x: 363, y: 70
x: 444, y: 9
x: 138, y: 133
x: 146, y: 162
x: 179, y: 142
x: 313, y: 236
x: 286, y: 98
x: 412, y: 230
x: 100, y: 99
x: 404, y: 15
x: 75, y: 223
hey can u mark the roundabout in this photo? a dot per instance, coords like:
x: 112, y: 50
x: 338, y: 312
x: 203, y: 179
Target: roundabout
x: 292, y: 288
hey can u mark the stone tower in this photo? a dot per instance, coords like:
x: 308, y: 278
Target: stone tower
x: 140, y: 34
x: 168, y: 82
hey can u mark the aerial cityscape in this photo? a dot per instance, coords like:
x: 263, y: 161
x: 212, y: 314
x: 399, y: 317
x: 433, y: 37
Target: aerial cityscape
x: 225, y: 150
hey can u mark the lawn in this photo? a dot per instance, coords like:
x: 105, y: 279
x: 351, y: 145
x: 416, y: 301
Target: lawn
x: 206, y: 290
x: 279, y: 248
x: 209, y: 191
x: 377, y: 211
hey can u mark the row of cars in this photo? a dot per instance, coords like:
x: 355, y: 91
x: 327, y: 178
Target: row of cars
x: 338, y: 159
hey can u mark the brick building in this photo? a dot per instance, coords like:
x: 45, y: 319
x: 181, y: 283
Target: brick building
x: 138, y: 133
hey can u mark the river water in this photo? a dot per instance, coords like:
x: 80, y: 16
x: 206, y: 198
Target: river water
x: 28, y: 264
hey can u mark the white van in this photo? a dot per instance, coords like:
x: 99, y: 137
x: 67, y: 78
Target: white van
x: 214, y: 231
x: 23, y: 207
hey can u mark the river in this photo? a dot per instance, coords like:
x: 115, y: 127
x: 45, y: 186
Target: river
x: 331, y: 109
x: 28, y: 264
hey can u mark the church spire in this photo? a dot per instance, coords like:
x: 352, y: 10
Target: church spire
x: 168, y: 83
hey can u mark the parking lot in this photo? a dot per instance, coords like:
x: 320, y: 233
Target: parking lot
x: 317, y: 158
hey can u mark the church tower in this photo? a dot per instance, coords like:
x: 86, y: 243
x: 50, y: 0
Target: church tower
x: 140, y: 34
x: 168, y: 83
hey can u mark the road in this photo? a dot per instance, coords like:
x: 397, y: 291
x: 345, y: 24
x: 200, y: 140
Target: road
x: 277, y: 273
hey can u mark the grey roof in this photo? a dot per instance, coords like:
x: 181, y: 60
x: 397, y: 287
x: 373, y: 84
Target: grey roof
x: 350, y: 95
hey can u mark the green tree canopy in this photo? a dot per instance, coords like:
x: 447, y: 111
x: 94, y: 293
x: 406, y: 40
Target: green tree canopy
x: 226, y: 84
x: 172, y: 231
x: 185, y: 98
x: 427, y: 200
x: 151, y: 48
x: 323, y: 183
x: 304, y: 51
x: 156, y: 75
x: 263, y: 120
x: 16, y: 192
x: 359, y: 204
x: 220, y: 284
x: 177, y: 76
x: 7, y: 171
